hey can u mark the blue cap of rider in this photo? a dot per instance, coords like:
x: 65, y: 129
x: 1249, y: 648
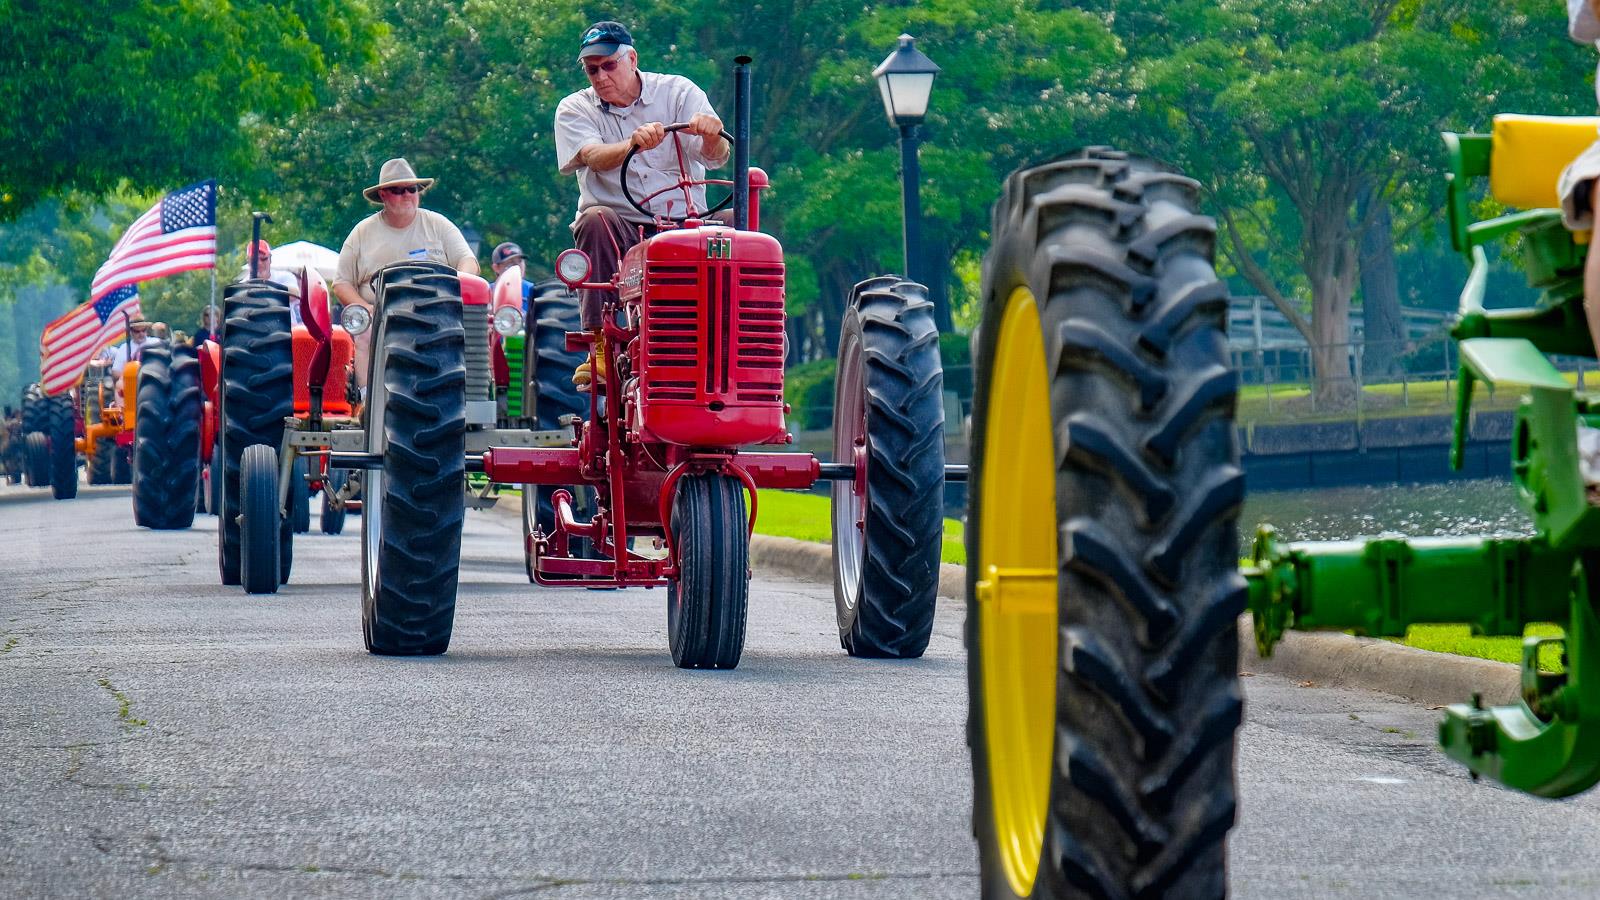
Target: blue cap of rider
x: 603, y: 39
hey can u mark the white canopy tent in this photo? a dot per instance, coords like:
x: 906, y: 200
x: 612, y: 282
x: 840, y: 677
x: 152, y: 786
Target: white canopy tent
x: 304, y: 253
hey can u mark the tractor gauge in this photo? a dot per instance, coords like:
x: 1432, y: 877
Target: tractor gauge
x: 573, y: 266
x: 508, y: 320
x: 355, y: 318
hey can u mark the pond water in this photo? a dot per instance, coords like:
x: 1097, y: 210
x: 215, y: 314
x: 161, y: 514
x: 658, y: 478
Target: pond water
x: 1482, y: 507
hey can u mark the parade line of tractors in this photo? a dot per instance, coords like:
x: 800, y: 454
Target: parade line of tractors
x: 1104, y: 576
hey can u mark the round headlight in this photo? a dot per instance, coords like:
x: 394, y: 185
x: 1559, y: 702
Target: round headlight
x: 355, y: 318
x: 573, y: 266
x: 508, y: 320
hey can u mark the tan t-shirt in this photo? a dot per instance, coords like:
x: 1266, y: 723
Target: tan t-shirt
x: 373, y: 244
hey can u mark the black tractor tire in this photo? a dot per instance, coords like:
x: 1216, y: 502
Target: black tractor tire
x: 36, y: 465
x: 549, y: 395
x: 37, y: 447
x: 299, y: 496
x: 332, y: 519
x: 61, y: 422
x: 708, y: 603
x: 1141, y: 789
x: 99, y: 467
x: 214, y: 480
x: 121, y: 463
x: 413, y: 507
x: 257, y: 392
x: 32, y: 408
x: 166, y: 438
x: 887, y: 541
x: 259, y: 526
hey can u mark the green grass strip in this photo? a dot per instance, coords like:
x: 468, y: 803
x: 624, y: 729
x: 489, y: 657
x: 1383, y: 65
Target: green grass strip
x: 807, y: 517
x: 1458, y: 639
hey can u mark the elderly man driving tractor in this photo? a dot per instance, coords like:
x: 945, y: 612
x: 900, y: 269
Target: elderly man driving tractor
x: 595, y: 128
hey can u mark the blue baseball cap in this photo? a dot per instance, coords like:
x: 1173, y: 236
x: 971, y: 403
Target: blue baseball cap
x: 603, y: 39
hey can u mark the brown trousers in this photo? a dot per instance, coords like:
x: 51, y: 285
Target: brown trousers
x: 604, y: 237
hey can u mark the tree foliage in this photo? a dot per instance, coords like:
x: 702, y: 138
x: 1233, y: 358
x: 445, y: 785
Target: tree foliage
x: 1309, y: 125
x: 154, y: 94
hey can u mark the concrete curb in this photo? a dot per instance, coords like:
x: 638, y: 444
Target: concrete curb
x: 1424, y: 676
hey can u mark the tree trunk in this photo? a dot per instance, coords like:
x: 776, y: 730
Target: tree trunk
x: 1385, y: 333
x: 1330, y: 264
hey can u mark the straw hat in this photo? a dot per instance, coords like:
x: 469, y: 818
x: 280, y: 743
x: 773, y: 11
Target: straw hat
x: 395, y: 172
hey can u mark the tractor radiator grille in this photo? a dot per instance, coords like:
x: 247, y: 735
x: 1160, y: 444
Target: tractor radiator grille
x: 725, y: 345
x: 480, y: 376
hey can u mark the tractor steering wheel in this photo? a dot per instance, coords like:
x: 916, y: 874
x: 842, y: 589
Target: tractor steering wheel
x: 685, y: 183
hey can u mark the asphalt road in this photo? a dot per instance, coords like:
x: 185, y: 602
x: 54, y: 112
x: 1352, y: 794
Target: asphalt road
x: 163, y: 736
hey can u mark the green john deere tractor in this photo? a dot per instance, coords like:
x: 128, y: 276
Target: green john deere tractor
x: 1102, y: 628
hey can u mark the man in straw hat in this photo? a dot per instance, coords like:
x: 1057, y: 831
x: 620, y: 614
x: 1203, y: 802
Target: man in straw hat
x: 402, y: 230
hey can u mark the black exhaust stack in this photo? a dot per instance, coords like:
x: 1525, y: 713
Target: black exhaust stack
x: 741, y: 143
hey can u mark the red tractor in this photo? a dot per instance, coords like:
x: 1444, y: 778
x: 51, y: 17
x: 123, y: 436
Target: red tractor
x: 692, y: 378
x: 285, y: 403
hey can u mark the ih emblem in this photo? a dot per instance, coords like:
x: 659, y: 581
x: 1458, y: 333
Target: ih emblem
x: 719, y: 248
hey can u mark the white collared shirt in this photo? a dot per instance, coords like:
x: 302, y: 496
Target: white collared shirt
x: 583, y: 119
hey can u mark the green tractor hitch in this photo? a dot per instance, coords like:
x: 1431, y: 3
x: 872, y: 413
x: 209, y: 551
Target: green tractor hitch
x: 1547, y: 743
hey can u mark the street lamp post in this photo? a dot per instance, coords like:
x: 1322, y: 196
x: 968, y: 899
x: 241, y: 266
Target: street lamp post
x: 905, y: 80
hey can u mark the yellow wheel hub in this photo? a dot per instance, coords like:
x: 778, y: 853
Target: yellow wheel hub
x: 1017, y: 591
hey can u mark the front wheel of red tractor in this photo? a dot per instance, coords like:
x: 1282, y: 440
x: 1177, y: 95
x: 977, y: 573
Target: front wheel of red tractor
x: 1102, y: 653
x: 888, y: 420
x: 706, y: 606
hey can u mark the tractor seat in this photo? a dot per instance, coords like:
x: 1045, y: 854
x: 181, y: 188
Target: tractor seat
x: 1529, y: 153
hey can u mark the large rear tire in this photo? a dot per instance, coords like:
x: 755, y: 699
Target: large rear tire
x: 549, y: 396
x: 888, y: 524
x: 99, y: 467
x: 166, y: 461
x: 413, y: 507
x: 37, y: 447
x: 121, y: 463
x: 299, y: 496
x: 708, y: 604
x: 1102, y: 650
x: 260, y: 525
x: 214, y: 480
x: 60, y: 426
x: 257, y: 395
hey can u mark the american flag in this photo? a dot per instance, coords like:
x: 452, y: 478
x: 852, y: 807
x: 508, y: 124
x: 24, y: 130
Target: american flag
x: 72, y: 340
x: 176, y: 235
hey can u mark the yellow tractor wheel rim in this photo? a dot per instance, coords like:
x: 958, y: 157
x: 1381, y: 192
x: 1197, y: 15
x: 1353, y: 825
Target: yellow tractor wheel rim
x: 1017, y: 591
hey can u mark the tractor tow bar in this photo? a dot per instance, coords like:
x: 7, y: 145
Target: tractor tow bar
x: 349, y: 460
x: 847, y: 472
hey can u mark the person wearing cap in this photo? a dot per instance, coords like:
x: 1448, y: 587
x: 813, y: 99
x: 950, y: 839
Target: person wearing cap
x: 401, y: 230
x: 623, y: 108
x: 507, y: 254
x: 121, y: 353
x: 262, y: 251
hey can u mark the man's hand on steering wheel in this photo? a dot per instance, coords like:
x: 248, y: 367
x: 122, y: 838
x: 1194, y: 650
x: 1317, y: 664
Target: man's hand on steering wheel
x: 705, y: 125
x: 649, y: 135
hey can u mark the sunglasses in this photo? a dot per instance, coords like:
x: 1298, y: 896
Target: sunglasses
x: 407, y: 189
x: 607, y: 66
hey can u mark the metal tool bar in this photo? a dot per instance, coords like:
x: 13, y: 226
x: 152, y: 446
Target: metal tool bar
x: 847, y: 472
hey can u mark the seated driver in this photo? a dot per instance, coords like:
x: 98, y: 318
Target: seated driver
x: 595, y: 127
